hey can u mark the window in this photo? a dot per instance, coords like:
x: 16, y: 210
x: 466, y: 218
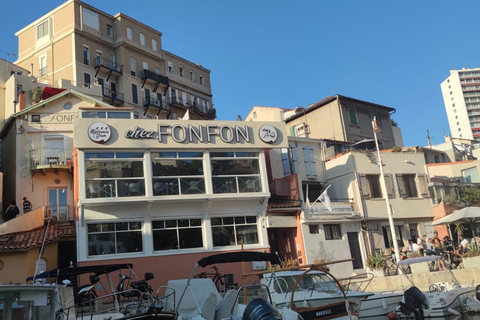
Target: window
x: 86, y: 55
x: 86, y: 80
x: 129, y: 33
x: 134, y: 93
x: 332, y: 232
x: 90, y: 18
x: 471, y: 175
x: 192, y: 76
x: 235, y: 172
x: 109, y: 31
x: 43, y: 65
x: 42, y: 29
x: 142, y: 39
x: 177, y: 234
x: 313, y: 228
x: 229, y: 231
x: 157, y: 70
x: 177, y: 173
x: 106, y: 114
x: 287, y: 162
x: 374, y: 183
x: 309, y: 162
x: 201, y: 80
x: 114, y: 238
x: 114, y: 174
x: 144, y: 65
x: 154, y: 45
x: 353, y: 116
x: 133, y: 66
x: 311, y: 191
x: 180, y: 71
x: 99, y: 58
x: 170, y: 66
x: 406, y: 185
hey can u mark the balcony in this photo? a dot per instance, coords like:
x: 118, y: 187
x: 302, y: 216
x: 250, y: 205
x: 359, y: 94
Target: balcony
x: 112, y: 95
x: 158, y: 104
x: 193, y: 106
x: 155, y: 78
x: 110, y: 67
x: 50, y: 160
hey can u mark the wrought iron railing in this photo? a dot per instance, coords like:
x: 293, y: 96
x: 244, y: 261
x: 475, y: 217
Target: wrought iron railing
x: 112, y: 94
x: 100, y: 62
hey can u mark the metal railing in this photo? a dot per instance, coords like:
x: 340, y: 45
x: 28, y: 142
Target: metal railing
x: 58, y: 212
x: 112, y: 94
x: 42, y: 157
x: 111, y: 65
x: 158, y: 78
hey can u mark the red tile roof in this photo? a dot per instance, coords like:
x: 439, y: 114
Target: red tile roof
x: 33, y: 238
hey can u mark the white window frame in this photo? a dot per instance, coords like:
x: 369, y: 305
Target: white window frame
x: 142, y: 39
x: 192, y: 76
x: 180, y: 71
x: 129, y: 33
x: 144, y: 65
x: 42, y: 62
x: 109, y: 31
x: 154, y: 45
x: 201, y: 80
x: 133, y: 66
x: 44, y: 34
x: 170, y: 66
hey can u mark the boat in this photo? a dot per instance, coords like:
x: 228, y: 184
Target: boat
x: 128, y: 300
x: 442, y: 299
x: 199, y: 298
x: 318, y: 287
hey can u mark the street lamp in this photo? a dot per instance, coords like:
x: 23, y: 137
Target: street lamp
x: 383, y: 184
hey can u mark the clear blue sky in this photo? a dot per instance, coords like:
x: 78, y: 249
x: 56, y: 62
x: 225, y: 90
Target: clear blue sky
x: 293, y: 53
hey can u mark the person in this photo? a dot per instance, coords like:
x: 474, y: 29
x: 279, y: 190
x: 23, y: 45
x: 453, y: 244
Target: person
x: 12, y: 211
x: 463, y: 243
x: 27, y: 205
x: 448, y: 247
x: 437, y: 249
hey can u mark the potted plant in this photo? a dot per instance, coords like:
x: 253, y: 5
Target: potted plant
x: 377, y: 264
x: 35, y: 95
x: 471, y: 258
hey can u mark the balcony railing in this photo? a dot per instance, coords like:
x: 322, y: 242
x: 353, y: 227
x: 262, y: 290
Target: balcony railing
x: 59, y: 212
x: 193, y: 105
x: 43, y: 71
x: 158, y: 78
x: 50, y: 157
x: 154, y: 102
x: 112, y: 94
x: 108, y: 64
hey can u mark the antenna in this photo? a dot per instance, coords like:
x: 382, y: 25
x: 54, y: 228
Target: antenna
x: 429, y: 142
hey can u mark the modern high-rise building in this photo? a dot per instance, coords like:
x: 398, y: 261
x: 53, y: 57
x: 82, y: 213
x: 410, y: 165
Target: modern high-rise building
x: 461, y: 96
x: 123, y: 56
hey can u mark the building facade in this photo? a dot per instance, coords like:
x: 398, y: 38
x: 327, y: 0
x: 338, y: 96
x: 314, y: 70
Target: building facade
x: 171, y: 192
x: 124, y: 57
x: 461, y: 96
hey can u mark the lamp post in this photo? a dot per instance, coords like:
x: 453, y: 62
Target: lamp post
x: 383, y: 184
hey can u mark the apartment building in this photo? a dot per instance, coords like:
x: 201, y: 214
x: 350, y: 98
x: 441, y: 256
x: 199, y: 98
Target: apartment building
x: 343, y: 118
x: 461, y: 96
x: 123, y: 56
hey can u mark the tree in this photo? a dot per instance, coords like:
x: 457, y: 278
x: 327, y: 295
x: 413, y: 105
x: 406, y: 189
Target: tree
x: 471, y: 196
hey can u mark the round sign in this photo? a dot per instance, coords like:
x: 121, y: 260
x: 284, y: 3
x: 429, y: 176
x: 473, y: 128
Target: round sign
x: 99, y: 132
x: 268, y: 133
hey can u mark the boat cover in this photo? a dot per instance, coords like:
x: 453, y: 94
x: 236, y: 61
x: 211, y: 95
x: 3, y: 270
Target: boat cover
x: 69, y: 272
x: 417, y: 260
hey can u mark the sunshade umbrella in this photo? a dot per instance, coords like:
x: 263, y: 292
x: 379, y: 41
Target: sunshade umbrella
x: 469, y: 215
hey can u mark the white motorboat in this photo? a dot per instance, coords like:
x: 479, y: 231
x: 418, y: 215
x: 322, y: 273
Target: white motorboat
x: 443, y: 299
x: 317, y: 287
x: 199, y: 298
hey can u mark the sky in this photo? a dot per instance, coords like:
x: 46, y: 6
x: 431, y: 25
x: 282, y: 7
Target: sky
x: 293, y: 53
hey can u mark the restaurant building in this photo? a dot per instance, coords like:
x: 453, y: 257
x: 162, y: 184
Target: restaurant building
x: 163, y: 194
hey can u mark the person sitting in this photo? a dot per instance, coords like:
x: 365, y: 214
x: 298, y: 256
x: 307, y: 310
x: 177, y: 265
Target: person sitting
x: 463, y: 243
x: 437, y: 250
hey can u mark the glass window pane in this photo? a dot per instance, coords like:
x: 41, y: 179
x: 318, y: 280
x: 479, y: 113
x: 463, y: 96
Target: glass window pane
x: 228, y: 220
x: 129, y: 155
x: 239, y: 220
x: 165, y: 240
x: 97, y: 155
x: 251, y: 219
x: 108, y: 227
x: 216, y: 221
x: 249, y: 234
x: 158, y: 224
x: 195, y: 222
x: 190, y: 154
x: 129, y: 242
x: 190, y: 238
x: 223, y: 236
x: 121, y: 226
x: 171, y: 223
x: 99, y: 244
x: 183, y: 223
x: 222, y: 154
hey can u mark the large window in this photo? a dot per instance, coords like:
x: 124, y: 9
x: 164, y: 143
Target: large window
x: 374, y: 182
x: 106, y: 114
x: 178, y: 173
x: 235, y: 172
x: 114, y: 238
x: 134, y: 93
x: 229, y: 231
x: 114, y: 174
x: 177, y: 234
x: 332, y: 232
x: 42, y: 29
x: 406, y: 186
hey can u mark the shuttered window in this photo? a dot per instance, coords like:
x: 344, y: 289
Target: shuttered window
x: 309, y: 162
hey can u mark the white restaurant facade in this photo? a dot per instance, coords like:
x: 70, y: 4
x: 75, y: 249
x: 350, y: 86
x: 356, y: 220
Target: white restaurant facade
x: 165, y: 193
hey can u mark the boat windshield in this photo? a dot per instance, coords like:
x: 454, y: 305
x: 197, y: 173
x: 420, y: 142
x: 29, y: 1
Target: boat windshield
x: 317, y: 282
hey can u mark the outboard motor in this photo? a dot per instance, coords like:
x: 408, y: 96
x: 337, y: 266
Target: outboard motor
x: 414, y: 299
x: 259, y: 309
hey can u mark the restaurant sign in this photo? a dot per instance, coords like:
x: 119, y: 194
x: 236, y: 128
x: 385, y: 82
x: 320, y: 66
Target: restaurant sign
x: 340, y: 208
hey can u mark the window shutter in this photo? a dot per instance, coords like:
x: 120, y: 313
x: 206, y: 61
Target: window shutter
x: 309, y: 162
x: 422, y: 185
x: 286, y: 162
x: 365, y: 187
x: 293, y: 148
x: 401, y: 186
x: 389, y: 185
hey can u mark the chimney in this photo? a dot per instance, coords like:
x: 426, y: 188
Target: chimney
x: 22, y: 100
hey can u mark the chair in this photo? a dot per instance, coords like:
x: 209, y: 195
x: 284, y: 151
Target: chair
x: 251, y: 186
x: 158, y: 187
x: 134, y: 188
x: 93, y: 191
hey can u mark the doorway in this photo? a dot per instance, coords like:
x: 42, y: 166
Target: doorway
x: 355, y: 252
x: 57, y: 203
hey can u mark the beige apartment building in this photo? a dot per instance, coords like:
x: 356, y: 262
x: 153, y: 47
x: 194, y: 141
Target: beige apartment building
x: 78, y: 42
